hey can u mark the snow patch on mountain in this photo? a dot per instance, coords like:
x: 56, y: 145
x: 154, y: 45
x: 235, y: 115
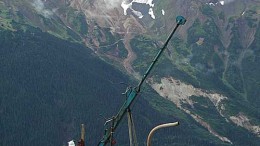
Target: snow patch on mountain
x: 221, y: 2
x: 126, y: 4
x: 163, y: 12
x: 151, y: 13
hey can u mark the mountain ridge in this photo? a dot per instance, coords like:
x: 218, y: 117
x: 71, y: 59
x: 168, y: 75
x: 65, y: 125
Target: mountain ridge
x: 215, y: 51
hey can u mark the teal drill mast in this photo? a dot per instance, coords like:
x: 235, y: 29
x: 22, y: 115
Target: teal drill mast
x: 131, y: 93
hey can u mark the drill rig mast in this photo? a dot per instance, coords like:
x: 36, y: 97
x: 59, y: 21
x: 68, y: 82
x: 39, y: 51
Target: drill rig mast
x: 131, y: 92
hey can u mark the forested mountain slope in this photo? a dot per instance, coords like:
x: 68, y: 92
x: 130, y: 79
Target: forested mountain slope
x: 208, y: 76
x: 50, y: 86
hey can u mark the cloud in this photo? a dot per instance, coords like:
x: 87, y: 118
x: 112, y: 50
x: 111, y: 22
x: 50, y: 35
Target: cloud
x: 40, y: 8
x: 109, y: 4
x: 103, y: 7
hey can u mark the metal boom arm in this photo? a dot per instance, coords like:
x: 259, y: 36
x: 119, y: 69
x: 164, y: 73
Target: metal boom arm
x: 131, y: 93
